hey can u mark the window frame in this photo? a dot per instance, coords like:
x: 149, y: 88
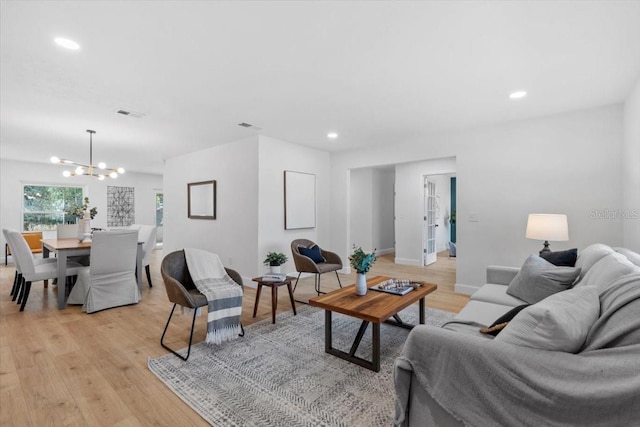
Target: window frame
x: 43, y: 184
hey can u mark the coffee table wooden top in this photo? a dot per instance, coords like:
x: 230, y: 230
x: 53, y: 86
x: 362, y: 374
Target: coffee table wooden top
x: 374, y: 306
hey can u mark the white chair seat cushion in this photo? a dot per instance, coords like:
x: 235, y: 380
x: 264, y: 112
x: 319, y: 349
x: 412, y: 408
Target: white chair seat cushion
x: 560, y: 322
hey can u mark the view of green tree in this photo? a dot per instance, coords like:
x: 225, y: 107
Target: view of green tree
x: 44, y: 205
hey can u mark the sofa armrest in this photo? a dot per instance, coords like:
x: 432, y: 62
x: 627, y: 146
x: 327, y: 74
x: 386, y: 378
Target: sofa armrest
x: 500, y: 275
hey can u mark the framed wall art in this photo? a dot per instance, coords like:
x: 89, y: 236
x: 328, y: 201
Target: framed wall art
x: 201, y: 200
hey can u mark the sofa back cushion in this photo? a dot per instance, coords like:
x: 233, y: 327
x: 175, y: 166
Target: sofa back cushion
x: 606, y: 271
x: 538, y: 278
x: 590, y: 255
x: 633, y: 257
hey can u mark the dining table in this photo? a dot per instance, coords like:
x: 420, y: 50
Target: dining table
x: 65, y: 248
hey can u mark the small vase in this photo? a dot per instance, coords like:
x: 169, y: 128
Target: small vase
x: 84, y: 228
x: 275, y: 269
x: 361, y: 284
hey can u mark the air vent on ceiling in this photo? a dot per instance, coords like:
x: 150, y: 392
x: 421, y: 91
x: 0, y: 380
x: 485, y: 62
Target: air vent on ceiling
x: 130, y: 113
x: 249, y: 126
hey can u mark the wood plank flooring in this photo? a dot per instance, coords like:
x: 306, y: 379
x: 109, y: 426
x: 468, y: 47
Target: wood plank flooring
x: 64, y: 367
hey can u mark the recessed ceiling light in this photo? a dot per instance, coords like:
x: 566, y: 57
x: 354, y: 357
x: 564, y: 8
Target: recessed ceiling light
x: 518, y: 94
x: 332, y: 135
x: 66, y: 43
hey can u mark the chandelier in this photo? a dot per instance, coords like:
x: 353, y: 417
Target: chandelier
x: 101, y: 171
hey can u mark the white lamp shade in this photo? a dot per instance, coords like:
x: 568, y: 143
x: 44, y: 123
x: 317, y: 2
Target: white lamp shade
x: 552, y: 227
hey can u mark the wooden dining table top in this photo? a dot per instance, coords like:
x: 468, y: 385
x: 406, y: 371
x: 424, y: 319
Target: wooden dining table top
x: 68, y: 243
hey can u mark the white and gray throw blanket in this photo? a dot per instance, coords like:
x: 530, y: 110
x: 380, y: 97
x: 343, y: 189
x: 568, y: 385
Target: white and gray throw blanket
x: 223, y: 294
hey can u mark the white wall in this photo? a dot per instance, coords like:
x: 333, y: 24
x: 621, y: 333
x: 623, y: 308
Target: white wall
x: 631, y: 170
x: 567, y: 163
x: 383, y: 228
x: 276, y: 156
x: 14, y: 173
x: 410, y: 205
x: 372, y: 222
x: 362, y: 208
x: 233, y: 234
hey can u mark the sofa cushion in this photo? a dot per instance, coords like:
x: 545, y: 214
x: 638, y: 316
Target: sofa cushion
x: 606, y: 270
x: 496, y: 294
x: 560, y: 322
x: 632, y: 256
x: 590, y: 255
x: 539, y: 278
x: 480, y: 312
x: 561, y: 258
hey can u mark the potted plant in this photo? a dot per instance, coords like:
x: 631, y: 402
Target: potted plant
x: 275, y: 260
x: 361, y: 262
x: 83, y: 216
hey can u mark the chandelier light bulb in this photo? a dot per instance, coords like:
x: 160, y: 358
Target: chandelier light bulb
x: 102, y: 165
x: 79, y: 170
x: 113, y: 174
x: 55, y: 159
x: 66, y: 174
x: 101, y: 177
x: 120, y: 170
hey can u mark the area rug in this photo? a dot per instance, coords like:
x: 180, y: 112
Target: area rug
x: 279, y: 375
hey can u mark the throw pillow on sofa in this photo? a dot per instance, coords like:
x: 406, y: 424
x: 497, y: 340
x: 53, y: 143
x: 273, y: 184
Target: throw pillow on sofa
x: 538, y: 278
x: 560, y: 322
x: 561, y: 258
x: 502, y: 321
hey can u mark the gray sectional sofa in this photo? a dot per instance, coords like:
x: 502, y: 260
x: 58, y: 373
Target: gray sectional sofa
x: 573, y: 358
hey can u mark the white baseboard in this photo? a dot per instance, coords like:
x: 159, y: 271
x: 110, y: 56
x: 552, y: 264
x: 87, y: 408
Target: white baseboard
x: 408, y: 261
x: 461, y: 288
x: 384, y: 251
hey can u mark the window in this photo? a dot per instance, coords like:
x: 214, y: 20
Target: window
x: 159, y: 209
x: 43, y: 206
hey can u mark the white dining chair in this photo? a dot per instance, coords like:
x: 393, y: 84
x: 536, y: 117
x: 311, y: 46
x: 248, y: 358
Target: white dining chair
x: 110, y: 280
x: 67, y: 231
x: 147, y: 234
x: 70, y: 231
x: 17, y: 278
x: 31, y: 270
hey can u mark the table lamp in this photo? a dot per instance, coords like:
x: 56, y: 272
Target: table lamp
x: 547, y: 227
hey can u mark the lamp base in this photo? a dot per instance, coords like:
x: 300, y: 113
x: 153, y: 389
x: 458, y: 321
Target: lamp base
x: 546, y: 247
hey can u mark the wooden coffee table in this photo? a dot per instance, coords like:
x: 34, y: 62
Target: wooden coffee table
x: 374, y: 307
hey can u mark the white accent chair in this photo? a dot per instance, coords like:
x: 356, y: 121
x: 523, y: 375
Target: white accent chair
x: 30, y: 270
x: 110, y: 280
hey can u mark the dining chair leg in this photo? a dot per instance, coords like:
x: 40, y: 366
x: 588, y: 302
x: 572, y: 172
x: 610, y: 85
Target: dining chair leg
x: 296, y: 285
x: 148, y: 275
x: 339, y: 283
x: 18, y: 288
x: 27, y: 287
x: 19, y: 292
x: 16, y: 280
x: 193, y: 322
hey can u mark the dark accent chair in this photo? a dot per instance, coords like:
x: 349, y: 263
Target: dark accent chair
x: 304, y: 264
x: 181, y: 290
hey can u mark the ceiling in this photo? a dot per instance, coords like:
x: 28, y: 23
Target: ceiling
x: 375, y: 72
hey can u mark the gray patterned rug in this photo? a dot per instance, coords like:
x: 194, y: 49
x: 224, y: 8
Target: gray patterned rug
x: 279, y: 375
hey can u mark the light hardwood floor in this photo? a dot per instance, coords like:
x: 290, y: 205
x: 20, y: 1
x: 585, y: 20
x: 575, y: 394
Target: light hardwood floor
x: 64, y: 367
